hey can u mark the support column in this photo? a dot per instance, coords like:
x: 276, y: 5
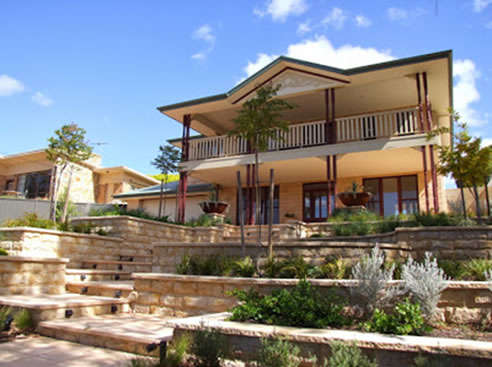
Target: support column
x: 183, y: 176
x: 328, y: 178
x: 426, y: 185
x: 335, y: 180
x: 435, y: 194
x: 419, y: 99
x: 333, y: 132
x: 253, y: 202
x: 248, y: 194
x: 330, y: 125
x: 327, y: 116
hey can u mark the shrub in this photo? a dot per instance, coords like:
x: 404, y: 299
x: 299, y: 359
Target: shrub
x: 23, y: 320
x: 297, y: 268
x: 3, y: 252
x: 302, y: 306
x: 438, y: 360
x: 203, y: 221
x: 30, y: 220
x: 475, y: 269
x: 371, y: 290
x: 336, y: 269
x: 348, y: 355
x: 210, y: 265
x: 243, y: 268
x: 452, y: 269
x: 117, y: 210
x: 272, y: 268
x: 425, y: 282
x: 439, y: 219
x: 209, y: 348
x: 278, y: 353
x: 143, y: 362
x: 176, y: 352
x: 406, y: 319
x: 5, y: 313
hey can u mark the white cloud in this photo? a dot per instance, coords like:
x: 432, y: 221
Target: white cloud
x: 41, y: 99
x: 362, y: 21
x: 9, y: 85
x: 336, y: 18
x: 465, y: 91
x: 204, y: 33
x: 304, y: 28
x: 396, y: 14
x: 281, y: 9
x: 479, y: 5
x: 321, y: 51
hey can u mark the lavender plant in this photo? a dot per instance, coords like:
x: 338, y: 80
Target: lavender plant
x: 372, y: 287
x: 424, y: 281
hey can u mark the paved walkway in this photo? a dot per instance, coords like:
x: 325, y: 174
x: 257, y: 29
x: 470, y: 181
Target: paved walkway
x: 37, y: 351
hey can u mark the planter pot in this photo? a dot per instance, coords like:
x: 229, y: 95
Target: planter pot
x: 354, y: 198
x: 217, y: 207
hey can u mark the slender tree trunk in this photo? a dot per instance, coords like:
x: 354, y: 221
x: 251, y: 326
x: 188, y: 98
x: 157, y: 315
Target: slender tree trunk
x: 52, y: 193
x: 160, y: 198
x: 57, y: 188
x: 241, y: 212
x: 258, y: 198
x: 477, y: 203
x: 65, y: 205
x: 463, y: 203
x: 487, y: 199
x: 270, y: 216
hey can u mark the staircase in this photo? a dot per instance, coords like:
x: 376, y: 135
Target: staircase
x: 96, y: 308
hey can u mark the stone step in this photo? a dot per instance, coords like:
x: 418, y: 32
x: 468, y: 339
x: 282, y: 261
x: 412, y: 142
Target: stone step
x: 133, y: 333
x: 132, y: 266
x: 87, y: 275
x: 135, y: 257
x: 115, y: 288
x: 65, y: 306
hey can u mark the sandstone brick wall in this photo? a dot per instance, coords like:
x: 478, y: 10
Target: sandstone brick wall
x: 27, y: 275
x: 35, y: 242
x: 182, y: 295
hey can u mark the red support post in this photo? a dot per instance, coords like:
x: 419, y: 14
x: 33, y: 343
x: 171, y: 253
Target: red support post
x: 333, y: 130
x: 427, y: 103
x: 335, y: 180
x: 435, y: 195
x: 248, y: 195
x: 328, y: 177
x: 426, y: 185
x: 327, y: 116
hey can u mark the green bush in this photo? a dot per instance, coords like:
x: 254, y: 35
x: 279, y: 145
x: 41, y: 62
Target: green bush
x: 406, y: 319
x: 336, y: 269
x: 202, y: 221
x: 475, y: 269
x: 30, y: 220
x: 438, y: 360
x: 117, y: 210
x: 243, y: 268
x: 433, y: 220
x: 272, y: 268
x: 209, y: 348
x: 348, y: 355
x: 176, y: 351
x: 278, y: 353
x: 302, y: 306
x: 211, y: 265
x: 452, y: 268
x: 4, y: 314
x: 23, y: 320
x: 3, y: 252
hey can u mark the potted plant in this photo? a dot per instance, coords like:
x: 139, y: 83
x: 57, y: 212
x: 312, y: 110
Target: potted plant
x: 355, y: 195
x: 213, y: 205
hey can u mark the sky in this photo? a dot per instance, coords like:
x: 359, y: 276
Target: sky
x: 107, y: 65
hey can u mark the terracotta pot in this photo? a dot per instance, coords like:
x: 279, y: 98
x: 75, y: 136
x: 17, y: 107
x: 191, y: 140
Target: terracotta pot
x: 354, y: 198
x: 217, y: 207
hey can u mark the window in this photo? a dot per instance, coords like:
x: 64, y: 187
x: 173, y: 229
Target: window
x: 35, y: 184
x: 265, y: 205
x: 315, y: 201
x: 393, y: 195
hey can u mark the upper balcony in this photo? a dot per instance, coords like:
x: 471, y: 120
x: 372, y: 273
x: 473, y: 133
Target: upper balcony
x: 388, y: 124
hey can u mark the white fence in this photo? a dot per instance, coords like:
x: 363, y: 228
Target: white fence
x: 352, y: 128
x: 15, y: 208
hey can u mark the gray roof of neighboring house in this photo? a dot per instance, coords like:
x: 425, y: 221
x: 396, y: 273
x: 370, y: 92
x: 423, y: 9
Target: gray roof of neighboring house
x: 169, y: 188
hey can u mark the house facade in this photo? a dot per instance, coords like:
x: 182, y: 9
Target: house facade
x: 28, y: 175
x: 366, y: 125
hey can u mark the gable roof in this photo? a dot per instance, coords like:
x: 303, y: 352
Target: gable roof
x: 169, y: 188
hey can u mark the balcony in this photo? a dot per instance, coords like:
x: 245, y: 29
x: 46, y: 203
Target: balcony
x: 309, y: 134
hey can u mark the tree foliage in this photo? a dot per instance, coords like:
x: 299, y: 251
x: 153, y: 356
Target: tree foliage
x: 166, y: 162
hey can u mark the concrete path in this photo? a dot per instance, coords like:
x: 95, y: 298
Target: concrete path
x: 37, y: 351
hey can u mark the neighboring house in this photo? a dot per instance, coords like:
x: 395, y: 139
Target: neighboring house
x: 366, y: 125
x: 28, y: 175
x: 148, y: 198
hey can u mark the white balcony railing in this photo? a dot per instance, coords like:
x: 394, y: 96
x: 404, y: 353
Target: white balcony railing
x: 352, y: 128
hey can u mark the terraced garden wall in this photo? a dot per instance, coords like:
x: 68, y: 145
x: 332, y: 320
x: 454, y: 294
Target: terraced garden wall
x: 184, y: 295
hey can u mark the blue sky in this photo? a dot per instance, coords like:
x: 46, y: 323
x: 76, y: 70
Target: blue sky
x: 107, y: 65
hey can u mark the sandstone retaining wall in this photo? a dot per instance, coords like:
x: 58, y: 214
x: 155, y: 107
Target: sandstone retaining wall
x: 36, y: 242
x: 184, y: 295
x: 30, y: 275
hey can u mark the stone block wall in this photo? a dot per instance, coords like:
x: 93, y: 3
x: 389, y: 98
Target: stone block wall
x: 29, y: 275
x: 183, y: 295
x: 35, y: 242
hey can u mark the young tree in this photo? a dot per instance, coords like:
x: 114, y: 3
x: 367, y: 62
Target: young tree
x: 465, y: 160
x: 67, y: 148
x: 257, y: 122
x: 166, y: 162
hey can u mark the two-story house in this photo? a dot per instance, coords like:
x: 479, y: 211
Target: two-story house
x: 366, y: 125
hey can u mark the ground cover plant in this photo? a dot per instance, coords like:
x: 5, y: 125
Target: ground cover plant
x: 14, y: 323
